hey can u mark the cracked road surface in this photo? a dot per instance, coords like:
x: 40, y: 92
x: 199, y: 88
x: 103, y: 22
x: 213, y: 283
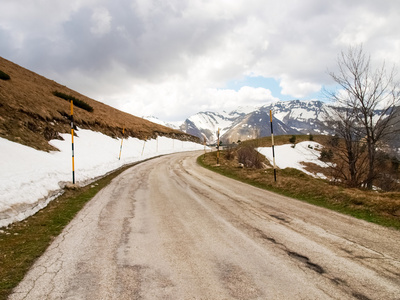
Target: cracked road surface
x: 169, y: 229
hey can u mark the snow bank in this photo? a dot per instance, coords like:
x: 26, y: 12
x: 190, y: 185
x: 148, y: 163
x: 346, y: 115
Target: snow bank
x: 29, y: 178
x: 288, y: 157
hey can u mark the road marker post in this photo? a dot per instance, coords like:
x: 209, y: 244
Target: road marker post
x: 273, y: 147
x: 72, y: 141
x: 218, y: 146
x: 144, y: 144
x: 120, y: 148
x: 204, y: 141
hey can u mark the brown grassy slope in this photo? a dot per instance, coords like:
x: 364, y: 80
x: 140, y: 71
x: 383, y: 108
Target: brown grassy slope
x: 31, y: 115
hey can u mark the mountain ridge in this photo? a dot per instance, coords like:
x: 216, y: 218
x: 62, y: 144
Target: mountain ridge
x: 289, y: 117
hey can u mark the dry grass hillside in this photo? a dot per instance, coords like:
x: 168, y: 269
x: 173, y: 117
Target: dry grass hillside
x: 32, y: 115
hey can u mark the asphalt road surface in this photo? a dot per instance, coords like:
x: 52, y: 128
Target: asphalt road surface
x: 169, y: 229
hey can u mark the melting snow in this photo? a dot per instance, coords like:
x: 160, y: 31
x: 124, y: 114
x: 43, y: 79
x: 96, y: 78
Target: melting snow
x: 288, y: 157
x: 29, y: 178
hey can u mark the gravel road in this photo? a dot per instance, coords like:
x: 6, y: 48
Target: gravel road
x: 169, y: 229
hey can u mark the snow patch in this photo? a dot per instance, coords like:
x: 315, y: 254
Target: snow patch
x: 288, y: 157
x: 30, y: 178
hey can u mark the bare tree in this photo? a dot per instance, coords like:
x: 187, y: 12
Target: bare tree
x: 366, y: 106
x: 349, y: 163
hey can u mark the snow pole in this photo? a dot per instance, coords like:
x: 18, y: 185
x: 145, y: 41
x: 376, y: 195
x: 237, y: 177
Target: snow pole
x: 273, y: 148
x: 144, y: 144
x: 218, y: 146
x: 72, y: 141
x: 205, y: 141
x: 120, y: 148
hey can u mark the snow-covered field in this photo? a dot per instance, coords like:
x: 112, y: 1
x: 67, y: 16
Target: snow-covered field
x: 288, y: 157
x: 29, y: 178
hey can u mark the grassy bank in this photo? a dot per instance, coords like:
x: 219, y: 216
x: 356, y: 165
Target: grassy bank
x: 372, y: 206
x: 23, y: 242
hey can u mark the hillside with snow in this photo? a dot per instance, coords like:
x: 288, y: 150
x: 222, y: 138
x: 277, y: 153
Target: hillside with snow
x: 35, y: 110
x: 289, y: 118
x: 30, y: 178
x: 287, y: 156
x: 35, y: 140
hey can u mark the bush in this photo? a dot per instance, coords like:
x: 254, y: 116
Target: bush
x: 230, y: 153
x: 326, y: 155
x: 77, y: 102
x: 4, y: 76
x: 250, y: 157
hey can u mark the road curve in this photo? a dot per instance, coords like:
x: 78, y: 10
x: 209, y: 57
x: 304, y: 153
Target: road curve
x: 169, y: 229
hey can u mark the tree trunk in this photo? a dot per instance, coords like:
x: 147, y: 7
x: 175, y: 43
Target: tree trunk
x: 371, y: 166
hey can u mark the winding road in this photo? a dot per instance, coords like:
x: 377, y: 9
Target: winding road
x: 170, y: 229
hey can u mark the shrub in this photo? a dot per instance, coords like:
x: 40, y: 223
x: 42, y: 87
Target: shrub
x: 4, y: 76
x: 326, y: 155
x: 250, y: 157
x: 230, y: 153
x: 77, y: 102
x: 292, y: 139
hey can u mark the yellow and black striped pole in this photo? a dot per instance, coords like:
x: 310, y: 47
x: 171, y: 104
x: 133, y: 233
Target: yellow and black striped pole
x: 72, y: 140
x: 120, y: 148
x: 273, y: 147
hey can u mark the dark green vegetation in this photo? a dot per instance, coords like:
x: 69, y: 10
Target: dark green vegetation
x: 77, y: 102
x: 382, y: 208
x: 23, y: 242
x: 4, y: 76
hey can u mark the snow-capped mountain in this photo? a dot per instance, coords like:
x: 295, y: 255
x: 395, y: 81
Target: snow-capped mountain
x: 289, y: 117
x: 158, y: 121
x: 304, y: 116
x: 206, y: 124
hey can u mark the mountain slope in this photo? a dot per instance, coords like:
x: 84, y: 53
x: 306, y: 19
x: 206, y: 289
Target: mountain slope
x: 289, y: 117
x: 304, y: 116
x: 207, y: 123
x: 32, y: 115
x: 254, y: 125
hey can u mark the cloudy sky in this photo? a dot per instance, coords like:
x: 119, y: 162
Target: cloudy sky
x: 174, y: 58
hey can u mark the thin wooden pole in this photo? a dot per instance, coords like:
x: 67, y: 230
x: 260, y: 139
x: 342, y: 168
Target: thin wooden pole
x: 205, y: 141
x: 218, y: 146
x: 72, y: 141
x: 120, y: 149
x: 144, y: 144
x: 273, y: 147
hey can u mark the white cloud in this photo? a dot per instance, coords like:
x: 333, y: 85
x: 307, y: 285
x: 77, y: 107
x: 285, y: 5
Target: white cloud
x: 298, y: 88
x: 101, y: 21
x: 174, y: 57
